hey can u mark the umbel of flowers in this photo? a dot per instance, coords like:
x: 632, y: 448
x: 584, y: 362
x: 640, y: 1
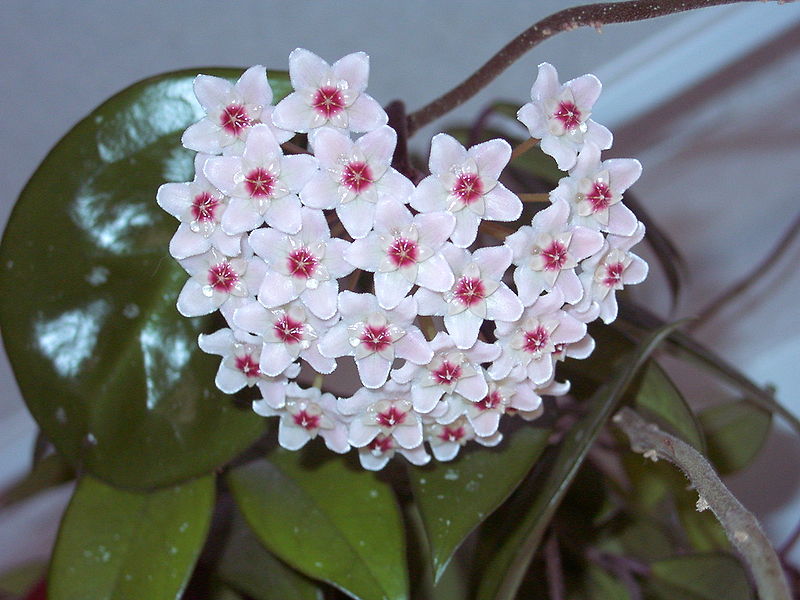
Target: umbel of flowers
x: 452, y: 337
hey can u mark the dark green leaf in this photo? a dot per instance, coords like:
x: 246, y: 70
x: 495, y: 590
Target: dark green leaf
x: 736, y: 431
x: 49, y: 472
x: 507, y: 564
x: 700, y: 577
x: 246, y: 566
x: 658, y: 398
x: 603, y: 586
x: 109, y: 369
x: 328, y: 519
x: 456, y: 497
x: 702, y: 529
x: 19, y: 580
x: 118, y: 545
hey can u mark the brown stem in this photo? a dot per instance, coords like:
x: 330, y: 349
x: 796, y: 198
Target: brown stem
x: 524, y: 147
x: 589, y: 15
x: 535, y: 197
x: 555, y: 573
x: 292, y: 148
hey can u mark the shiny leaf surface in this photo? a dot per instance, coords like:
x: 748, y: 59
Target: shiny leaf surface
x: 109, y: 369
x: 455, y: 497
x: 328, y: 519
x: 736, y: 432
x: 118, y: 545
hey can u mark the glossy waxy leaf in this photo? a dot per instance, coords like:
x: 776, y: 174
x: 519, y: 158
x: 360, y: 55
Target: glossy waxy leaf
x: 328, y: 519
x: 455, y: 497
x: 245, y: 565
x: 736, y: 431
x: 700, y: 577
x: 117, y: 545
x: 107, y: 366
x: 509, y: 553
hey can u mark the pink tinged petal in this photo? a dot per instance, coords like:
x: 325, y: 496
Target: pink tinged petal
x: 330, y: 145
x: 502, y: 366
x: 391, y: 288
x: 390, y: 215
x: 482, y: 352
x: 319, y: 363
x: 306, y: 69
x: 283, y: 214
x: 373, y: 369
x: 334, y: 258
x: 275, y: 358
x: 297, y: 170
x: 290, y: 436
x: 466, y: 229
x: 378, y: 145
x: 429, y: 196
x: 636, y: 271
x: 254, y: 87
x: 320, y: 192
x: 446, y: 451
x: 570, y: 285
x: 262, y: 148
x: 254, y: 318
x: 621, y: 220
x: 554, y: 217
x: 435, y: 228
x: 502, y: 204
x: 355, y: 306
x: 220, y: 342
x: 408, y: 436
x: 175, y: 198
x: 263, y: 408
x: 321, y: 301
x: 569, y: 330
x: 425, y: 398
x: 373, y: 462
x: 405, y: 312
x: 336, y: 438
x: 228, y: 380
x: 530, y: 284
x: 429, y: 302
x: 525, y: 398
x: 336, y: 342
x: 364, y: 253
x: 585, y: 242
x: 585, y: 90
x: 540, y: 370
x: 357, y: 217
x: 546, y: 84
x: 473, y: 388
x: 597, y: 134
x: 490, y: 441
x: 493, y: 262
x: 240, y: 216
x: 276, y: 290
x: 623, y: 172
x: 225, y: 172
x: 609, y: 308
x: 192, y: 302
x: 295, y: 114
x: 503, y: 305
x: 229, y: 245
x: 414, y: 347
x: 533, y: 118
x: 446, y: 152
x: 562, y: 150
x: 582, y: 348
x: 212, y: 92
x: 485, y: 423
x: 463, y: 328
x: 269, y: 244
x: 187, y: 243
x: 366, y: 114
x: 491, y: 157
x: 394, y: 186
x: 273, y: 392
x: 360, y: 433
x: 354, y: 69
x: 405, y: 373
x: 435, y: 274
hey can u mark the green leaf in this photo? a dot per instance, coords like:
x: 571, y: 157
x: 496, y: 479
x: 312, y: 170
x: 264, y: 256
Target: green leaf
x: 736, y: 431
x: 455, y: 497
x: 508, y: 561
x: 328, y: 519
x: 602, y: 586
x: 657, y: 397
x: 19, y: 580
x: 49, y: 472
x: 246, y: 566
x: 118, y: 545
x: 702, y: 529
x: 109, y: 369
x: 700, y: 577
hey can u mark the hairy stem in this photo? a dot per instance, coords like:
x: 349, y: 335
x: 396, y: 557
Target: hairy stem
x: 589, y: 15
x: 739, y: 524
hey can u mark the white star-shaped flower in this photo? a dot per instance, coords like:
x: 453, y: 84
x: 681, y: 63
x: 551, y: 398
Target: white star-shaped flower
x: 375, y: 336
x: 328, y: 95
x: 231, y: 110
x: 464, y: 182
x: 547, y: 252
x: 558, y: 115
x: 262, y: 183
x: 354, y: 176
x: 305, y: 265
x: 403, y: 251
x: 446, y: 440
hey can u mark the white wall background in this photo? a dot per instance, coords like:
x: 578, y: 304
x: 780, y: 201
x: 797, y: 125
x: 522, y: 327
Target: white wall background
x: 721, y: 155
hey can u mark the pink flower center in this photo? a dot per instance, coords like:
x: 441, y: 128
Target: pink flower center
x: 568, y: 114
x: 248, y: 365
x: 452, y: 434
x: 491, y: 401
x: 259, y: 183
x: 447, y: 373
x: 357, y: 176
x: 376, y: 338
x: 381, y: 443
x: 328, y: 101
x: 536, y: 340
x: 403, y: 252
x: 391, y: 417
x: 555, y: 255
x: 469, y: 290
x: 302, y: 263
x: 468, y: 188
x: 306, y: 421
x: 204, y: 206
x: 613, y: 274
x: 234, y: 119
x: 600, y: 196
x: 222, y: 277
x: 288, y: 330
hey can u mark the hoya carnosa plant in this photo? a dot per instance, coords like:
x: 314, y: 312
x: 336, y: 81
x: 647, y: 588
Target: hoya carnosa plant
x: 329, y: 254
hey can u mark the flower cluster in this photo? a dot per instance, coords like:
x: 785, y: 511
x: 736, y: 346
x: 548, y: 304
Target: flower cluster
x: 262, y: 237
